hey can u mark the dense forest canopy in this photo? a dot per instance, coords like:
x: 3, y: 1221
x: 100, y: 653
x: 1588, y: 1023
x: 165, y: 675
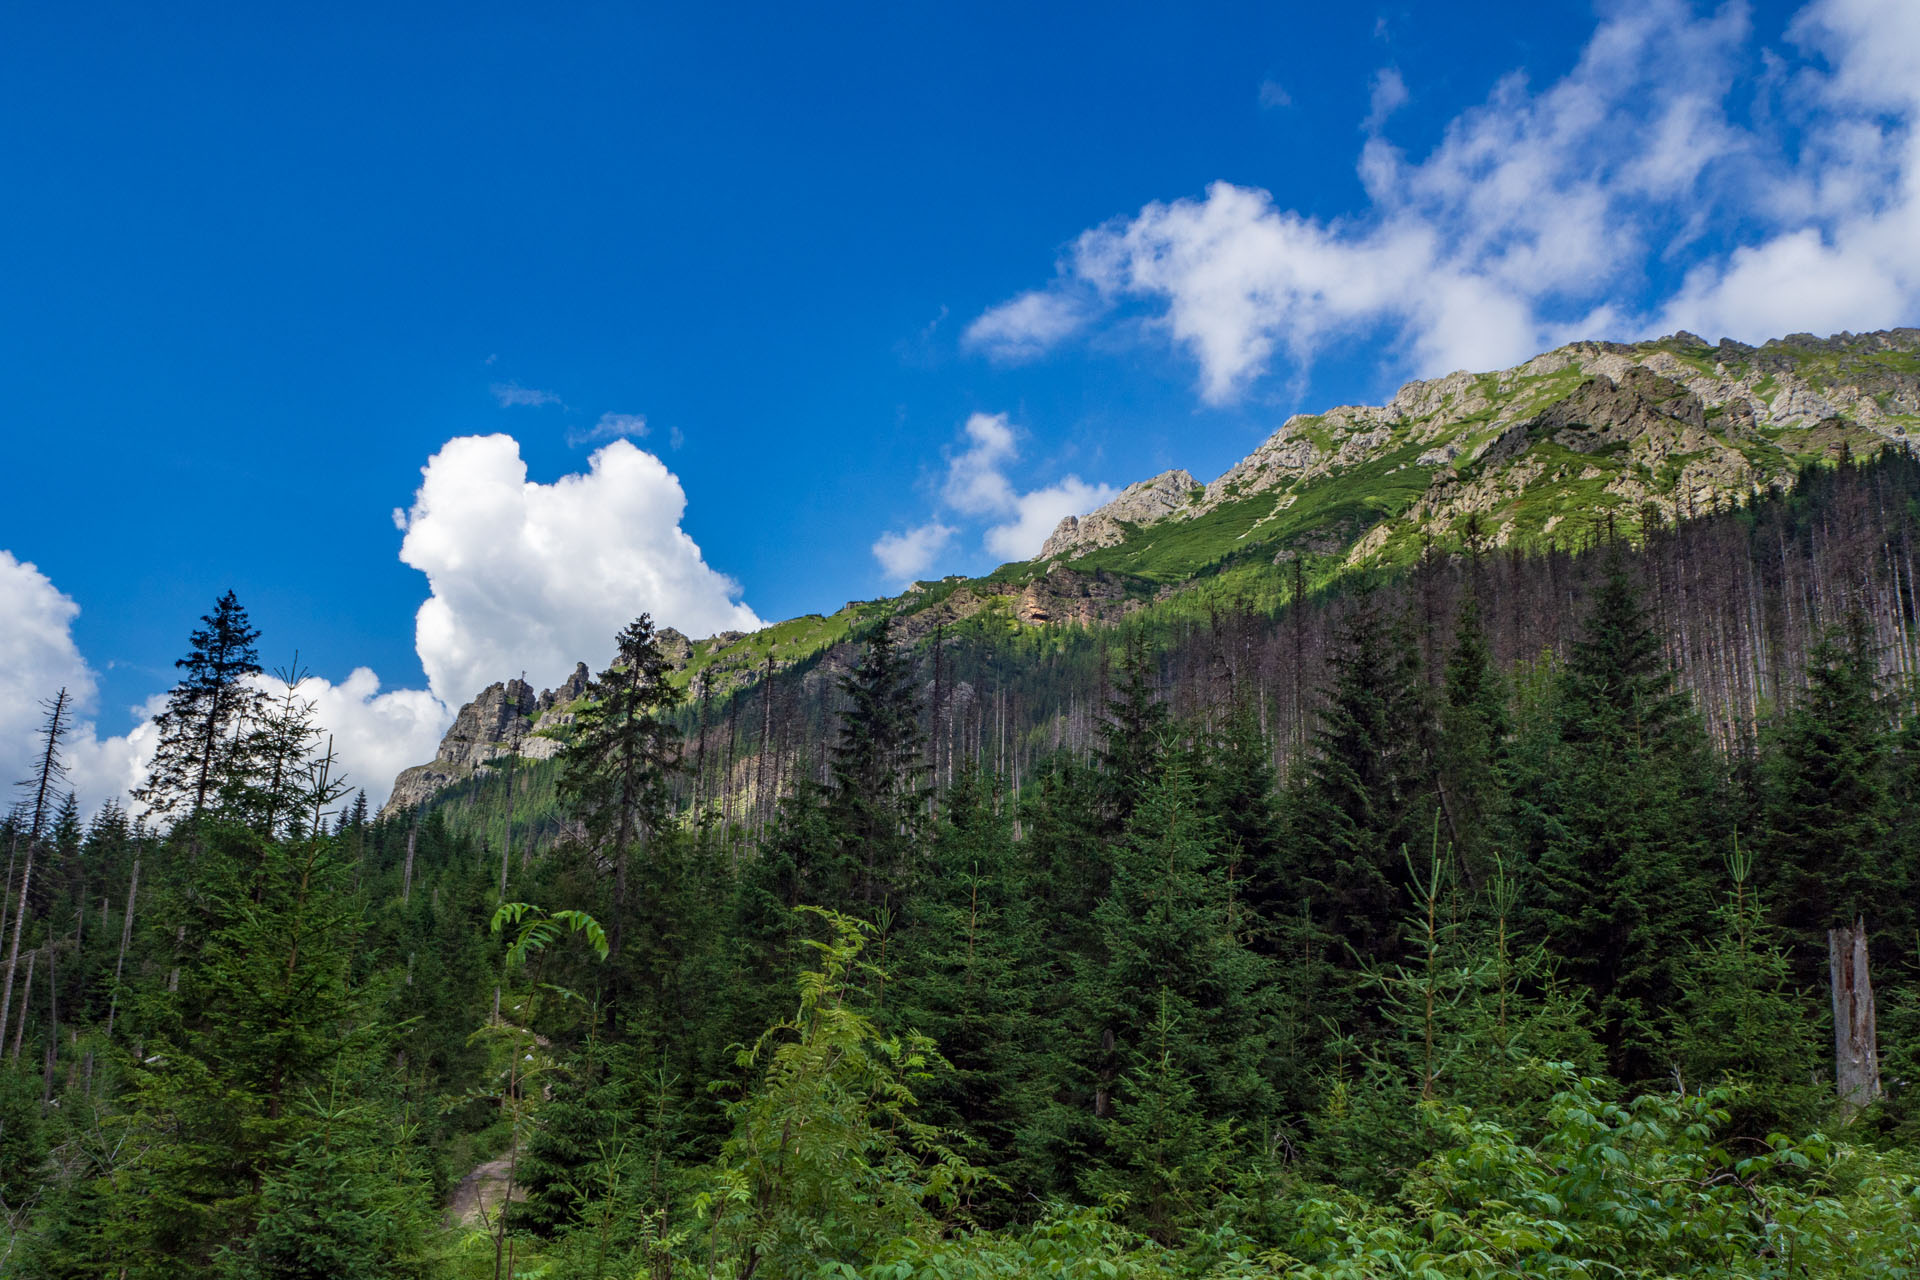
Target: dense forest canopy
x: 1550, y: 913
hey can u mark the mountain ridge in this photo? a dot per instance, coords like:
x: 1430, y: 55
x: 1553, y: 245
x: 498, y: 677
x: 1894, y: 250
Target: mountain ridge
x: 1634, y: 434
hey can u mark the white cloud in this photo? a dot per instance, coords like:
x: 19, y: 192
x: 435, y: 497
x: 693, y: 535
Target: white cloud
x: 37, y: 659
x: 1031, y: 324
x: 1849, y: 255
x: 375, y: 734
x: 909, y: 555
x: 1544, y: 213
x: 978, y: 487
x: 1388, y: 95
x: 1037, y: 512
x: 540, y: 576
x: 522, y: 576
x: 612, y: 426
x: 977, y: 483
x: 512, y: 395
x: 1273, y: 94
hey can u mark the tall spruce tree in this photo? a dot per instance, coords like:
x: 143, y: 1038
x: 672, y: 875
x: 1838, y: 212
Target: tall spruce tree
x: 1470, y: 759
x: 202, y: 733
x: 1827, y: 803
x: 1133, y: 732
x: 1367, y: 790
x: 877, y: 792
x: 1173, y: 1039
x: 967, y: 972
x: 1623, y: 875
x: 615, y: 769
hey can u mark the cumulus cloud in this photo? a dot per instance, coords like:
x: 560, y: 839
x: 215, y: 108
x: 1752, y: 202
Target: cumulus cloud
x: 522, y: 576
x: 909, y: 555
x: 512, y: 395
x: 540, y: 576
x: 376, y: 734
x: 1036, y: 512
x: 1545, y: 213
x: 38, y: 658
x: 977, y: 483
x: 977, y: 486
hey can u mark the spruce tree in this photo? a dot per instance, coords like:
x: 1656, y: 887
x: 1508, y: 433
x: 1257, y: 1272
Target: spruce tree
x: 202, y: 739
x: 877, y: 790
x: 615, y: 768
x: 1133, y: 732
x: 1471, y: 748
x: 1171, y: 998
x: 967, y: 972
x: 1367, y: 790
x: 1622, y: 878
x: 1827, y: 803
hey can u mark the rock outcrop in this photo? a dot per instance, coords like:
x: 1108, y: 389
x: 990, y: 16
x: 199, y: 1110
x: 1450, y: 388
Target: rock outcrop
x: 507, y: 718
x: 1673, y: 426
x: 1141, y: 503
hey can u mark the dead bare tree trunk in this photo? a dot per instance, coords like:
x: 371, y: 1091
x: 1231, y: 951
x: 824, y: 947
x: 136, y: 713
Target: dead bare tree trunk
x: 20, y: 1032
x: 406, y: 876
x: 52, y: 770
x: 126, y: 938
x: 1856, y: 1056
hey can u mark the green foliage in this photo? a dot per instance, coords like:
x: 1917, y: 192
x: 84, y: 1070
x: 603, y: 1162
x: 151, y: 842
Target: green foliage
x: 1621, y: 868
x: 538, y: 929
x: 1367, y: 791
x: 1827, y: 798
x: 828, y: 1158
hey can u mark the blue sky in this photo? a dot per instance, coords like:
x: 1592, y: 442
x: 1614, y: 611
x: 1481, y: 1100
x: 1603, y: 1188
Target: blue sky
x: 883, y: 290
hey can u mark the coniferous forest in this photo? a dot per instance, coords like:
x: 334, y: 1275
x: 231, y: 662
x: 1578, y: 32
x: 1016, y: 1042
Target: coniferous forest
x: 1549, y: 912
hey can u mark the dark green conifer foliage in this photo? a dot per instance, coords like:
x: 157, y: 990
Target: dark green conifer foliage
x: 1827, y: 839
x: 1630, y: 800
x: 267, y: 787
x: 877, y: 794
x: 1367, y: 792
x: 201, y: 745
x: 1069, y: 858
x: 1235, y: 770
x: 1741, y: 1020
x: 576, y: 1128
x: 1472, y: 746
x: 616, y: 766
x: 341, y: 1204
x: 1167, y: 1156
x: 262, y: 1013
x: 966, y: 972
x: 1132, y: 735
x: 1171, y: 997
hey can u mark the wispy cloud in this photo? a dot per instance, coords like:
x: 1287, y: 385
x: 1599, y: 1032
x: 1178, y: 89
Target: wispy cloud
x: 612, y: 426
x: 1544, y: 212
x: 1028, y: 326
x: 1273, y: 94
x: 978, y: 487
x: 512, y: 395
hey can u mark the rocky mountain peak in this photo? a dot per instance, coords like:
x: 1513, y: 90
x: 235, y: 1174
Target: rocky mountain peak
x: 1140, y: 503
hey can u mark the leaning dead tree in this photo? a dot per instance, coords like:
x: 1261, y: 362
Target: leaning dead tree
x: 43, y: 786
